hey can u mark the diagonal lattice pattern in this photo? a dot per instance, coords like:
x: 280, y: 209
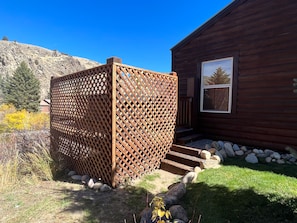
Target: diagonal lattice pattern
x: 146, y: 111
x: 114, y: 121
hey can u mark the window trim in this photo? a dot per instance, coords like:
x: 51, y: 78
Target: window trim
x: 229, y: 86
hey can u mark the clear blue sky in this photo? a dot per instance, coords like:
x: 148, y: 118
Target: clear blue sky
x: 140, y: 32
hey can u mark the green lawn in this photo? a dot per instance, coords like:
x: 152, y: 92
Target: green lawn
x: 242, y: 192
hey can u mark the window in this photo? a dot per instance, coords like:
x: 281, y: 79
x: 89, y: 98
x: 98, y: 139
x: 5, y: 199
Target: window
x: 216, y: 85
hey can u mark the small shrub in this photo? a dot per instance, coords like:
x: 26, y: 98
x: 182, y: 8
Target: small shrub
x: 16, y: 121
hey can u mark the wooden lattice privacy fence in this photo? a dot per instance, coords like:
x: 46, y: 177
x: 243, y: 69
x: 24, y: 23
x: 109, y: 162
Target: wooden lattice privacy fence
x: 114, y: 121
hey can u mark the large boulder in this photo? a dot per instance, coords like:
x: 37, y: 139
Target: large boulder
x: 178, y: 213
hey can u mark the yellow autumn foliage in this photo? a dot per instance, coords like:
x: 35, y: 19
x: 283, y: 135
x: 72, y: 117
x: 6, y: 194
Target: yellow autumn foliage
x: 16, y: 120
x: 13, y: 120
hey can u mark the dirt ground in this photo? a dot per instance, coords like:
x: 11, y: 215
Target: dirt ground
x: 59, y: 201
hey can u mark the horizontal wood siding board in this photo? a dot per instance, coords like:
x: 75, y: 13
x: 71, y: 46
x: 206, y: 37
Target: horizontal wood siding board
x: 243, y: 121
x: 240, y: 134
x: 255, y: 128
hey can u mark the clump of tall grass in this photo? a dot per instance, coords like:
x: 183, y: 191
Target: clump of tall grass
x: 34, y: 165
x: 38, y: 164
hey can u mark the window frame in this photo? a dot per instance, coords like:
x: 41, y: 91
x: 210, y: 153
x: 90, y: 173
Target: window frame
x: 216, y: 86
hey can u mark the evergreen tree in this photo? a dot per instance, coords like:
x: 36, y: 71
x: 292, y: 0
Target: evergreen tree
x: 1, y: 89
x: 22, y: 89
x: 219, y: 77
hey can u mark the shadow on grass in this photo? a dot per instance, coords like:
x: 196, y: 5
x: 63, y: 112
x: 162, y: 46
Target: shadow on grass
x: 217, y: 204
x: 118, y: 205
x: 283, y: 169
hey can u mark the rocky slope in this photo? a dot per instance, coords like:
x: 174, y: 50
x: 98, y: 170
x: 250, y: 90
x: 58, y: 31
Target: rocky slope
x: 43, y: 62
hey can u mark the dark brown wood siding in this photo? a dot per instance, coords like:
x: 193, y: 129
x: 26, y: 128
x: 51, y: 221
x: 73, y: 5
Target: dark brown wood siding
x: 262, y: 37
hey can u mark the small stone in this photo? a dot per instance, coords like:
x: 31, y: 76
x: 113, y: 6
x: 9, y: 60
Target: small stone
x: 268, y: 159
x: 105, y: 188
x: 97, y: 185
x: 236, y: 147
x: 205, y: 154
x: 189, y: 178
x: 268, y: 152
x: 276, y: 155
x: 256, y: 151
x: 221, y: 144
x: 285, y: 156
x: 212, y: 151
x: 215, y: 145
x: 229, y: 149
x: 243, y: 148
x: 280, y: 161
x: 223, y: 152
x: 197, y: 169
x: 76, y: 177
x: 71, y: 173
x: 251, y: 158
x: 262, y: 155
x: 292, y: 160
x: 91, y: 183
x: 85, y: 179
x: 239, y: 153
x: 218, y: 153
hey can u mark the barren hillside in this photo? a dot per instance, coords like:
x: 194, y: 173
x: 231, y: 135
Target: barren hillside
x: 43, y: 62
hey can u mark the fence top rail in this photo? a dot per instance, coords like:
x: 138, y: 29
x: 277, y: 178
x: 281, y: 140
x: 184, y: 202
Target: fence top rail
x: 118, y: 64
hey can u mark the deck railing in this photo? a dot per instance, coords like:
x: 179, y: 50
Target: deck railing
x: 184, y: 115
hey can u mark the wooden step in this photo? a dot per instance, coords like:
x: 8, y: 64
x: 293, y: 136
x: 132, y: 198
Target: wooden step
x: 186, y: 150
x: 175, y: 167
x: 189, y: 138
x: 184, y: 159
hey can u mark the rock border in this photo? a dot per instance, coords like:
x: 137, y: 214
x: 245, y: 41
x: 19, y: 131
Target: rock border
x: 225, y: 149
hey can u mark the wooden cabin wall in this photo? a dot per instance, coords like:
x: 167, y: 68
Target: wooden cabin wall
x: 262, y: 37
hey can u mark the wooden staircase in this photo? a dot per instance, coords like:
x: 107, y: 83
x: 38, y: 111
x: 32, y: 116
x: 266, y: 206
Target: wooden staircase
x: 181, y: 159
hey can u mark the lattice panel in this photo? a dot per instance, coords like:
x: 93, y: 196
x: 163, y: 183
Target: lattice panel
x: 145, y: 107
x: 146, y: 114
x: 81, y: 120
